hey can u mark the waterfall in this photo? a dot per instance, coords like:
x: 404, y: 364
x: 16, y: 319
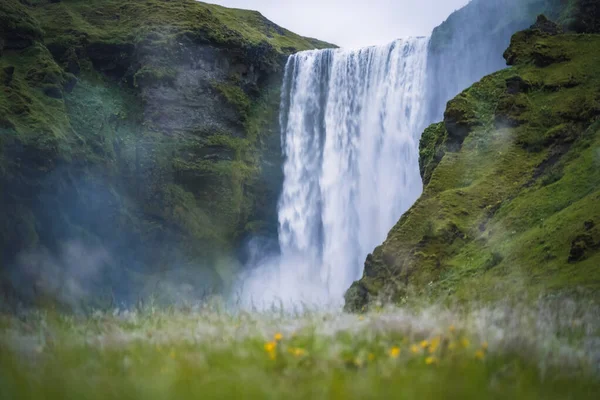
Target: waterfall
x: 351, y: 122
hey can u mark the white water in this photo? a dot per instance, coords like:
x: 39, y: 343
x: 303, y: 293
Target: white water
x: 351, y: 122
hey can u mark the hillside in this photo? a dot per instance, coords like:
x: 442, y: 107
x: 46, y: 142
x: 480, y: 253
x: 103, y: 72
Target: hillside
x: 145, y: 131
x: 511, y: 205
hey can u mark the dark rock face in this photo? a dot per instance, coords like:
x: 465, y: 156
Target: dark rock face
x: 153, y: 139
x: 53, y: 91
x: 546, y: 26
x: 191, y: 103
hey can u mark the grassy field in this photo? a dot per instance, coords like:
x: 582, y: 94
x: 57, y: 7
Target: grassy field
x: 548, y: 351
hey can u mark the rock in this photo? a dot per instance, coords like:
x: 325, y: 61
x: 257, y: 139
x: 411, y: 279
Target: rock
x: 8, y: 74
x: 356, y: 298
x: 588, y: 225
x: 579, y: 246
x: 516, y: 84
x: 53, y: 91
x: 544, y: 25
x: 70, y: 83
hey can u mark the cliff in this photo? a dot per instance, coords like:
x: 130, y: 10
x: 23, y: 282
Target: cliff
x: 144, y: 130
x: 511, y: 204
x: 469, y: 44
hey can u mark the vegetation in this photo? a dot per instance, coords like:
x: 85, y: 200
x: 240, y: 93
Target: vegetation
x: 510, y: 206
x: 209, y: 353
x: 140, y: 127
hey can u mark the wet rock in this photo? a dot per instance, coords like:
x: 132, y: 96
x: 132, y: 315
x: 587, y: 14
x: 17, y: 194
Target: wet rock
x: 356, y: 298
x: 70, y: 83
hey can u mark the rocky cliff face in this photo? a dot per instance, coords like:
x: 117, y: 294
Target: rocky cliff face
x: 512, y: 184
x: 469, y: 44
x: 146, y: 130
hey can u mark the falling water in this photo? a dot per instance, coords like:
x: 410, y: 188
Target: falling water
x: 351, y: 122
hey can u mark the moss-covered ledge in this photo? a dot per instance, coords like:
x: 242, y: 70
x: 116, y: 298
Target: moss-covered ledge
x: 512, y: 197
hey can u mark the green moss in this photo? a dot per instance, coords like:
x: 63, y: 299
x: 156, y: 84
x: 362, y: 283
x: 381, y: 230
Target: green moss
x: 85, y: 153
x: 236, y: 97
x: 150, y: 76
x: 113, y: 21
x: 431, y: 149
x: 511, y: 207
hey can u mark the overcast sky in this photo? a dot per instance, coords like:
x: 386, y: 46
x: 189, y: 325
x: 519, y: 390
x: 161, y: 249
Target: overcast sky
x: 353, y: 23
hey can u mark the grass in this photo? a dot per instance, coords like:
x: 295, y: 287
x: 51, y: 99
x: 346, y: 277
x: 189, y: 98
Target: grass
x: 208, y: 352
x: 70, y: 21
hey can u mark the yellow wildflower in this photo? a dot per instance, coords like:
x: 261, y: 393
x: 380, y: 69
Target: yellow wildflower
x: 479, y: 354
x: 465, y: 342
x: 278, y: 337
x: 270, y: 346
x: 484, y: 345
x: 172, y: 354
x: 395, y: 352
x: 431, y: 360
x: 414, y: 348
x: 424, y: 344
x: 434, y: 344
x: 361, y: 318
x: 371, y: 356
x: 299, y: 352
x: 452, y: 346
x: 452, y: 328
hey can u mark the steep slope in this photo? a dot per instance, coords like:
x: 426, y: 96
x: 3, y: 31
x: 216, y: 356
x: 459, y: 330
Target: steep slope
x: 511, y: 205
x: 469, y: 44
x: 144, y: 130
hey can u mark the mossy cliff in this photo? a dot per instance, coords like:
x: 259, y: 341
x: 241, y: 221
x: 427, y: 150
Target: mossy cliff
x: 511, y: 204
x: 147, y: 128
x: 469, y: 44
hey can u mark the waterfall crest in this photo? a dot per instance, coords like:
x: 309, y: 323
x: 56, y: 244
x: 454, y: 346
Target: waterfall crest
x: 351, y: 122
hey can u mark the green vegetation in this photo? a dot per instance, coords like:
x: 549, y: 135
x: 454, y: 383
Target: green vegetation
x: 209, y: 353
x: 511, y: 204
x: 140, y: 126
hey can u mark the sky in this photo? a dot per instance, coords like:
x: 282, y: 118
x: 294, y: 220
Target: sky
x: 353, y: 23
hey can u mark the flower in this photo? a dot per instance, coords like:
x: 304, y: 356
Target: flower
x: 395, y: 352
x: 172, y: 354
x: 484, y: 345
x: 414, y: 348
x: 371, y: 356
x: 296, y: 351
x: 452, y: 346
x: 431, y: 360
x: 465, y: 342
x: 434, y: 344
x: 270, y: 346
x: 452, y: 328
x: 278, y: 336
x: 424, y: 344
x: 270, y: 349
x: 479, y: 354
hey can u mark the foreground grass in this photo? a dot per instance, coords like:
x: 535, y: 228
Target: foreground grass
x: 503, y: 352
